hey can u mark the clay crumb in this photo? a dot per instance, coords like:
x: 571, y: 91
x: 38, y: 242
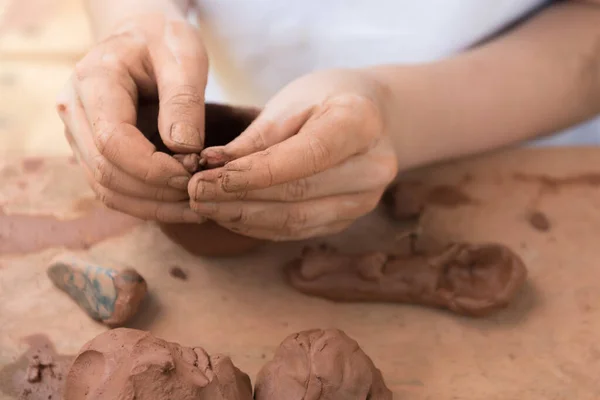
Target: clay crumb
x: 178, y: 273
x: 539, y: 221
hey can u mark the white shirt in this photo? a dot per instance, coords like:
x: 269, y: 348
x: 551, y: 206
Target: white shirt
x: 261, y: 45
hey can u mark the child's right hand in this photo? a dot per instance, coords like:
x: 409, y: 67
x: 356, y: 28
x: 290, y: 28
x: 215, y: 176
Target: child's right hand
x: 148, y: 57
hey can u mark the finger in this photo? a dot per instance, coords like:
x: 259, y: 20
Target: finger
x: 170, y: 212
x: 289, y: 218
x: 181, y: 70
x: 108, y: 94
x: 79, y: 136
x: 260, y: 233
x: 269, y: 128
x: 343, y: 127
x: 364, y: 172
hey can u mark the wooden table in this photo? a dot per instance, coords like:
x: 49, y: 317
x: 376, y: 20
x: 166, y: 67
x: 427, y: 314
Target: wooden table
x: 545, y: 346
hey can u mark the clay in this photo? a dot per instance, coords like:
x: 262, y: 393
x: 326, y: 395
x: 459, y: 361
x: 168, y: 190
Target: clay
x: 474, y: 280
x: 107, y: 295
x: 191, y: 162
x: 38, y: 374
x: 22, y: 233
x: 222, y: 124
x: 178, y: 273
x: 128, y: 364
x: 320, y: 365
x: 209, y: 239
x: 407, y: 199
x: 539, y: 221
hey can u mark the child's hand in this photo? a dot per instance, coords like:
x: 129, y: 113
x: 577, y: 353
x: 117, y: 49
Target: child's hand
x: 147, y: 58
x: 317, y: 158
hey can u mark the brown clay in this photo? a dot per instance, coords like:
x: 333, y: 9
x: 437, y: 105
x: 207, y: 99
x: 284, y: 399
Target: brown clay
x: 222, y: 124
x: 468, y: 279
x: 209, y: 239
x: 539, y: 221
x: 178, y: 273
x: 320, y: 365
x: 38, y: 374
x: 128, y: 364
x: 191, y: 162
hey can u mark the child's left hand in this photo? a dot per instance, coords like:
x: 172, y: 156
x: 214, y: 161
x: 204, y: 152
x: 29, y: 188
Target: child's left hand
x: 316, y: 159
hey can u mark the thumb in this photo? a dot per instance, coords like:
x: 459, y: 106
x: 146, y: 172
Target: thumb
x: 181, y: 67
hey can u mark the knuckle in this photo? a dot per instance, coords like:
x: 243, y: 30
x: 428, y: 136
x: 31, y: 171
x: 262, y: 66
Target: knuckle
x: 186, y: 98
x: 161, y: 214
x: 320, y: 155
x: 102, y: 170
x: 294, y: 222
x: 359, y: 110
x: 296, y: 190
x: 106, y: 197
x: 240, y: 216
x: 104, y: 132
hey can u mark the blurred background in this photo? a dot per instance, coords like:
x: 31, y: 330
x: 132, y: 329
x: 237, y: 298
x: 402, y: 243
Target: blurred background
x: 40, y: 41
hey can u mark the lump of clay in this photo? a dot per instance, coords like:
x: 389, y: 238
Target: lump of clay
x: 320, y: 365
x: 223, y: 123
x: 38, y: 374
x: 128, y: 364
x: 105, y: 294
x: 473, y: 280
x: 209, y: 239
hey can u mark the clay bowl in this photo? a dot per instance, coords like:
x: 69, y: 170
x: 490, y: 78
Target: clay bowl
x: 222, y: 124
x: 209, y: 239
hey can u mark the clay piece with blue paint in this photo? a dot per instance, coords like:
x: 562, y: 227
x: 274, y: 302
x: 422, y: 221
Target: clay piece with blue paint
x: 106, y: 294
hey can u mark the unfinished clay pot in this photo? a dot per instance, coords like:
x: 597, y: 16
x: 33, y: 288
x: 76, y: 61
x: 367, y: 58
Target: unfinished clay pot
x: 209, y: 239
x: 222, y: 124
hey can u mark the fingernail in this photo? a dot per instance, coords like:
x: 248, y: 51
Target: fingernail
x: 179, y: 182
x: 205, y: 191
x: 193, y: 217
x: 234, y: 182
x: 204, y: 207
x: 185, y: 134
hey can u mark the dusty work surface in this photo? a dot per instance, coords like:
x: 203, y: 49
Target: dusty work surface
x: 545, y: 346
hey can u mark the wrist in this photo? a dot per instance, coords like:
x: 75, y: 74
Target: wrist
x: 396, y: 86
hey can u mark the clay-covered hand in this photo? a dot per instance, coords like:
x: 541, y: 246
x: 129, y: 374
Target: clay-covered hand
x: 147, y: 59
x: 316, y: 158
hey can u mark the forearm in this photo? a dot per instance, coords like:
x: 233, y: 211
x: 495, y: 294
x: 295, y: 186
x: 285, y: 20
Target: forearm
x: 106, y: 14
x: 541, y: 77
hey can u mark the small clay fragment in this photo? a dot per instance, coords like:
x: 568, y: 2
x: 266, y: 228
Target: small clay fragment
x: 320, y: 365
x: 178, y: 273
x: 191, y: 162
x: 38, y: 374
x: 128, y: 364
x: 105, y: 294
x: 539, y: 221
x: 474, y: 280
